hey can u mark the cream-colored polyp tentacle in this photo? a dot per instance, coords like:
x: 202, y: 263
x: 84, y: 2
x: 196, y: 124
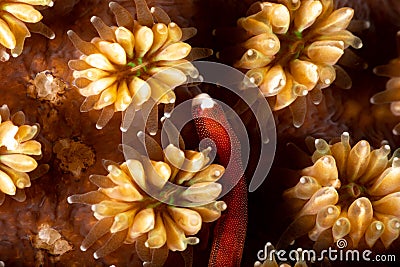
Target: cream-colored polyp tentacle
x: 133, y: 66
x: 17, y: 154
x: 391, y: 93
x: 17, y: 20
x: 293, y: 50
x: 126, y: 210
x: 353, y: 191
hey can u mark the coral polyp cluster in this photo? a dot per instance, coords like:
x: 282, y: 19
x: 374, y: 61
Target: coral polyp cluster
x: 16, y: 150
x: 352, y: 192
x: 17, y: 19
x: 391, y: 94
x: 138, y: 61
x: 292, y: 50
x: 125, y: 209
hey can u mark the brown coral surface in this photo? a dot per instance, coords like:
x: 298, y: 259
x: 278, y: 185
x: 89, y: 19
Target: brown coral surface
x: 46, y: 205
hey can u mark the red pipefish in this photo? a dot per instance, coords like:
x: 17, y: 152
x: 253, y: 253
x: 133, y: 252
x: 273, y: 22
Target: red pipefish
x: 230, y: 230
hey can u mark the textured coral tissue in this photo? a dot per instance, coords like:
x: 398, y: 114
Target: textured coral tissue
x: 334, y: 101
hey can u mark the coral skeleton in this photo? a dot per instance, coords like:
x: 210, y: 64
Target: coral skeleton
x: 126, y: 211
x: 292, y: 49
x: 51, y: 240
x: 17, y: 152
x: 17, y: 19
x: 138, y: 62
x: 352, y: 192
x: 47, y: 87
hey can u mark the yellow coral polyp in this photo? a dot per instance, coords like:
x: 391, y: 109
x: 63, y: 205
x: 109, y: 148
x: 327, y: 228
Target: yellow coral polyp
x: 16, y: 151
x: 17, y: 18
x: 138, y: 61
x: 352, y: 191
x: 129, y: 213
x: 292, y: 48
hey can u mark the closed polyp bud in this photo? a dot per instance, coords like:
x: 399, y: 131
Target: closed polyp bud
x: 328, y: 52
x: 306, y: 15
x: 304, y: 72
x: 274, y: 81
x: 266, y: 43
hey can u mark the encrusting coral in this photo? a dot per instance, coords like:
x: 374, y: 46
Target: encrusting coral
x: 392, y: 93
x: 125, y: 209
x: 138, y: 62
x: 16, y: 150
x: 74, y: 156
x: 17, y: 19
x: 291, y: 50
x: 352, y: 192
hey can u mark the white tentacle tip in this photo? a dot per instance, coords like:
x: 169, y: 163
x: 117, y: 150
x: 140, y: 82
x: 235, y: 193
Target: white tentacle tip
x: 93, y: 18
x: 204, y: 101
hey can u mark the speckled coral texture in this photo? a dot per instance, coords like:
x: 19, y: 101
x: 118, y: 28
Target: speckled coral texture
x: 341, y: 110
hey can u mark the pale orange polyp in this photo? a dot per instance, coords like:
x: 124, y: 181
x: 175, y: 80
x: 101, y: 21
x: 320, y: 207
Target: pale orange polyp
x: 391, y: 94
x: 306, y: 38
x: 134, y: 213
x: 13, y: 30
x: 137, y: 62
x: 16, y: 151
x: 366, y: 184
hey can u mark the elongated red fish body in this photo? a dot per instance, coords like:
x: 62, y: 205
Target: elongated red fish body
x: 230, y: 230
